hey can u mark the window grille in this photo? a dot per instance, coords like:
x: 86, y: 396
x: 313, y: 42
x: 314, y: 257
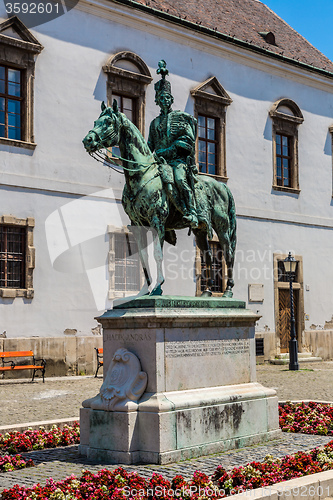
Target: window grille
x: 259, y: 347
x: 12, y: 256
x: 217, y: 269
x: 127, y: 265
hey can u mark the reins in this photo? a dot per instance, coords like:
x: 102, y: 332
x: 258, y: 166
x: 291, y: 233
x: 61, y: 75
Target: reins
x: 101, y: 158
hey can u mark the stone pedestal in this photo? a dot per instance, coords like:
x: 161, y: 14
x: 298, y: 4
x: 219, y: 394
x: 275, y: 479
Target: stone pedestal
x: 201, y: 397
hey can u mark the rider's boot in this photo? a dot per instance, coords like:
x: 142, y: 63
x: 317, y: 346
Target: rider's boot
x: 190, y: 214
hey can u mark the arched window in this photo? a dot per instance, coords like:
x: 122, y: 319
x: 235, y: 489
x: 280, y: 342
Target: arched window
x: 128, y: 76
x: 286, y: 117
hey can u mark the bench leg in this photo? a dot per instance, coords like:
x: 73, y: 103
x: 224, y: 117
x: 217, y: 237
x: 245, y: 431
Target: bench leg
x: 97, y: 370
x: 33, y: 375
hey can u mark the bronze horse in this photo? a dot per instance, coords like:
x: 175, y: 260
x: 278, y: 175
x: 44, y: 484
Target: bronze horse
x: 147, y: 204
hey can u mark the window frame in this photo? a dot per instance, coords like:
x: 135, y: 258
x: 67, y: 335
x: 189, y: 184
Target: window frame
x: 14, y: 255
x: 209, y: 141
x: 8, y: 97
x: 213, y: 105
x: 28, y: 224
x: 113, y: 293
x: 289, y: 157
x: 286, y: 125
x: 20, y: 54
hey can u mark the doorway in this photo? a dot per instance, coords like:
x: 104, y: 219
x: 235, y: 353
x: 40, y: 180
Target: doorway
x: 284, y: 317
x: 282, y: 303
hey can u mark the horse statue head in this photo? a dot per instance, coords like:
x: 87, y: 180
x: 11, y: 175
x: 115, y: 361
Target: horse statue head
x: 106, y: 131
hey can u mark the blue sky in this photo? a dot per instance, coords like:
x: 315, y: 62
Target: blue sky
x: 313, y: 19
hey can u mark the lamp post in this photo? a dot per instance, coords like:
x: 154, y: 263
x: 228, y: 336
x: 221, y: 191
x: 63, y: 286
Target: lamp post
x: 290, y: 268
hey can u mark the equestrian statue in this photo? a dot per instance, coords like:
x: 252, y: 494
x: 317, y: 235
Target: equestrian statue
x: 163, y: 190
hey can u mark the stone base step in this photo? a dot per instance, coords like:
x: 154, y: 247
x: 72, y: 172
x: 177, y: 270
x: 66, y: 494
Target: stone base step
x: 285, y: 355
x: 303, y: 357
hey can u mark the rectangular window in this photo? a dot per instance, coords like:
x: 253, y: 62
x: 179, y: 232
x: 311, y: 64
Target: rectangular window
x: 10, y: 103
x: 207, y: 144
x: 283, y: 160
x: 127, y: 264
x: 12, y: 256
x: 126, y: 105
x: 217, y: 269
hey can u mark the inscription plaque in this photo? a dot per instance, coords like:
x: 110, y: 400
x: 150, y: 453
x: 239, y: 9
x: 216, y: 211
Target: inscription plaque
x: 127, y: 337
x: 196, y: 348
x: 256, y: 292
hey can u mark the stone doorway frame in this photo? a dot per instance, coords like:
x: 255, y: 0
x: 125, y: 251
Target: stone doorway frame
x: 297, y: 285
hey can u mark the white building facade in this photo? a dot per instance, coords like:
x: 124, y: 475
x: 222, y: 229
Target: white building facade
x: 61, y: 211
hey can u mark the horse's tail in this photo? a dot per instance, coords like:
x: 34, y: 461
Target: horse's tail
x: 232, y: 224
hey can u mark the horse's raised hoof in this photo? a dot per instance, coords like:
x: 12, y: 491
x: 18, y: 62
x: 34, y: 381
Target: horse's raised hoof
x: 157, y: 290
x: 227, y: 294
x: 207, y: 293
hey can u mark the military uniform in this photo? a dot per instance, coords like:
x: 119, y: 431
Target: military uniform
x: 173, y: 135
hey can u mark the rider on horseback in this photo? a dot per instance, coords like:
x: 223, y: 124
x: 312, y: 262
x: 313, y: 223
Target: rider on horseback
x: 172, y: 137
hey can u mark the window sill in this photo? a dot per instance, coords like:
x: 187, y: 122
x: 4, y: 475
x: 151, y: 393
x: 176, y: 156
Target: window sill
x: 122, y: 294
x: 286, y: 189
x: 18, y: 144
x: 12, y: 293
x: 220, y: 178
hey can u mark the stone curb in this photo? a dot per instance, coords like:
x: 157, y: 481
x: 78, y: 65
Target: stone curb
x: 314, y: 487
x: 36, y: 425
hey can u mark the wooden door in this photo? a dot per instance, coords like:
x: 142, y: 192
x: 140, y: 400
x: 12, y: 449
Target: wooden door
x: 284, y: 317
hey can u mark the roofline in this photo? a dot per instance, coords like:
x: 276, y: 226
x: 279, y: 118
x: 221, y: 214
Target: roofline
x: 221, y: 36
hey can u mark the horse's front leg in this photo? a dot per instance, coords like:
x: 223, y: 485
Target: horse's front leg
x: 140, y: 235
x: 158, y: 236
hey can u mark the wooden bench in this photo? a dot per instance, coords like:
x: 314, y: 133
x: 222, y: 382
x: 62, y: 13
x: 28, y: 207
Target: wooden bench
x: 99, y: 353
x: 7, y: 357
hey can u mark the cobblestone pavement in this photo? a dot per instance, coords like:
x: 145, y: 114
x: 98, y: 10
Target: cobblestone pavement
x: 58, y: 397
x: 24, y: 402
x: 311, y: 381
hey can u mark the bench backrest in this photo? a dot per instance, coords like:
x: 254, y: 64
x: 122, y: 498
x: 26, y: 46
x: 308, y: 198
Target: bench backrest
x: 16, y: 354
x: 100, y: 350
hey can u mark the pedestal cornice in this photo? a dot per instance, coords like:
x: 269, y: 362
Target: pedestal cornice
x: 178, y: 311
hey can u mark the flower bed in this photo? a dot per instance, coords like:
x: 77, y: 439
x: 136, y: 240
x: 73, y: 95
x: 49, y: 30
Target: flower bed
x: 14, y: 442
x: 121, y: 485
x: 9, y: 463
x: 308, y: 418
